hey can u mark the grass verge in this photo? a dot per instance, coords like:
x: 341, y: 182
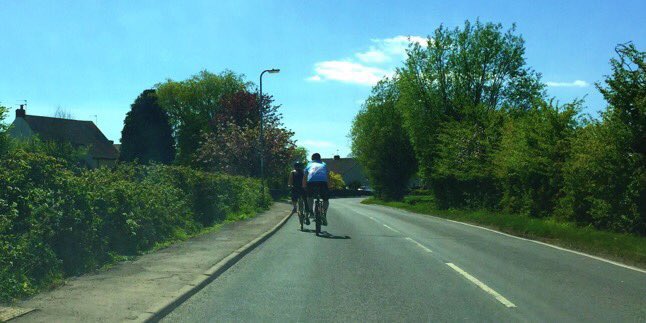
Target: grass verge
x: 626, y: 248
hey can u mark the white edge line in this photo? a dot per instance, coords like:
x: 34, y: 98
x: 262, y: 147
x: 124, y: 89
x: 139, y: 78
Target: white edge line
x: 534, y: 241
x: 419, y: 244
x: 390, y: 228
x: 553, y: 246
x: 482, y: 286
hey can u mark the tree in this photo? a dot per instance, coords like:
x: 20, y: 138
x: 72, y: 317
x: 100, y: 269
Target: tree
x: 381, y: 144
x: 605, y: 176
x: 336, y: 181
x: 234, y: 150
x: 4, y: 140
x: 147, y: 134
x: 62, y: 113
x: 532, y: 151
x: 451, y: 91
x: 193, y: 103
x: 231, y: 142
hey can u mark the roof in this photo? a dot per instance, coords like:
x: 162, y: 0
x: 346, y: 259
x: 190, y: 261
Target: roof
x: 76, y: 132
x: 349, y: 168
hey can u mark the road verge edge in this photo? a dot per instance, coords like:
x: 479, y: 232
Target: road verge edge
x: 159, y: 311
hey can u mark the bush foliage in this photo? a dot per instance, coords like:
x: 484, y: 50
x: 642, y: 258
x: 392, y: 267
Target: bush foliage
x: 484, y: 134
x: 55, y: 222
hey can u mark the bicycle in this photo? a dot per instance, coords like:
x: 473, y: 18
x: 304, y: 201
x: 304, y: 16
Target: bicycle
x: 300, y: 204
x: 318, y: 213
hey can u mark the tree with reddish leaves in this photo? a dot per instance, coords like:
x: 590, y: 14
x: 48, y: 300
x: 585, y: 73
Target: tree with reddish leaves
x: 232, y: 144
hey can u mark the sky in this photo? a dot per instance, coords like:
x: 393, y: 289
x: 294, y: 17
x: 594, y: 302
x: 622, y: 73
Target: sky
x: 93, y: 58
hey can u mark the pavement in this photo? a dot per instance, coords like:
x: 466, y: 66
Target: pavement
x: 383, y: 264
x: 131, y: 290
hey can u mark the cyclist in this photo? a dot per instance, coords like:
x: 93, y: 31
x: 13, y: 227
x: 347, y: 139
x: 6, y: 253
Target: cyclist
x: 297, y: 191
x: 316, y: 181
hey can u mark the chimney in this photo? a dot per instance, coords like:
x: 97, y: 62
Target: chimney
x: 20, y: 113
x: 337, y: 157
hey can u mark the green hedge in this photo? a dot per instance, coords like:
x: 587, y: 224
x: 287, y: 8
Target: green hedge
x: 56, y: 223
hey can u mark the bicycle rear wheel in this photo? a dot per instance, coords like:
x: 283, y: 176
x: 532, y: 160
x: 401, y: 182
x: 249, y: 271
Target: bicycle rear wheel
x: 317, y: 216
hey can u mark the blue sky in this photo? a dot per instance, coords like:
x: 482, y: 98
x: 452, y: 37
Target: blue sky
x: 92, y: 58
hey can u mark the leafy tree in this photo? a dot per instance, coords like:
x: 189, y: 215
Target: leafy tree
x: 193, y: 103
x: 336, y: 181
x: 625, y: 92
x: 451, y: 92
x: 234, y: 150
x: 605, y: 177
x: 381, y: 144
x: 462, y: 170
x: 147, y: 135
x: 529, y: 162
x: 231, y: 143
x: 300, y: 155
x: 4, y: 140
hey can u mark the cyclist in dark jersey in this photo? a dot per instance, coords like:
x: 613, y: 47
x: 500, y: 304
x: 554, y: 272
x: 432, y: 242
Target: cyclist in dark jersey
x: 294, y: 183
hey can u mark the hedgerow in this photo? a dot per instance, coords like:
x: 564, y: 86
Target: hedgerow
x: 55, y: 222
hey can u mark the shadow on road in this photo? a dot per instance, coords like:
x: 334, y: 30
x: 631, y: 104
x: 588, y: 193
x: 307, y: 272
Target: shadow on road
x: 328, y: 235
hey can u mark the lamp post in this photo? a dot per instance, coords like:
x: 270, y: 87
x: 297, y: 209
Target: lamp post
x: 262, y: 134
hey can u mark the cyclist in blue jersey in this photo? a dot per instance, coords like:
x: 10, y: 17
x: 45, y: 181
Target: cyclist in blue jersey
x: 315, y: 181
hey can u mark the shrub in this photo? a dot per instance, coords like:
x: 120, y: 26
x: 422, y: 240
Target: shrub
x: 56, y: 223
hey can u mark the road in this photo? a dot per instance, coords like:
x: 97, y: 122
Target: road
x: 383, y: 264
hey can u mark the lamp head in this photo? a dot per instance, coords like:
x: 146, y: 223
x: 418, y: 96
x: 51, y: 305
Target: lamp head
x: 274, y: 70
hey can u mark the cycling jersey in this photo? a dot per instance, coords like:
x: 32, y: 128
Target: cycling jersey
x: 316, y: 172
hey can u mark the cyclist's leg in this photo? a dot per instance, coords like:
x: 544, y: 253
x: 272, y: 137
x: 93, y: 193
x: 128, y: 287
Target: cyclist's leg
x: 294, y: 196
x: 325, y: 195
x: 309, y: 199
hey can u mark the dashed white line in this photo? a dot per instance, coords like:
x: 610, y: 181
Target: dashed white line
x: 390, y: 228
x: 419, y: 244
x: 373, y: 219
x: 482, y: 286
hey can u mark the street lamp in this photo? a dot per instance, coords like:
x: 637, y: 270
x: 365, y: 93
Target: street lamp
x: 262, y: 134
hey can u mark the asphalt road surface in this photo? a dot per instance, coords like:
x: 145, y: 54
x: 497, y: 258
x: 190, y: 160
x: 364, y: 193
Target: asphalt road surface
x: 383, y: 264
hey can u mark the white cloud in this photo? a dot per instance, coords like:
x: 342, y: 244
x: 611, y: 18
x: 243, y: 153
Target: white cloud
x: 577, y: 83
x: 373, y: 56
x: 317, y: 144
x: 389, y: 49
x: 364, y: 67
x: 348, y: 72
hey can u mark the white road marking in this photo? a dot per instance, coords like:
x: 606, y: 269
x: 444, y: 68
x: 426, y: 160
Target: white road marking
x: 373, y: 219
x: 553, y: 246
x: 525, y: 239
x: 482, y: 286
x: 390, y: 228
x: 419, y: 244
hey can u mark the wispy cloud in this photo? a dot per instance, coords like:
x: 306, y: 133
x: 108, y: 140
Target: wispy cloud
x: 369, y: 66
x: 389, y: 49
x: 347, y: 72
x: 317, y: 144
x: 576, y: 83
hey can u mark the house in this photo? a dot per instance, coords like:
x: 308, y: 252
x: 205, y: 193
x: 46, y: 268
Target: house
x: 80, y: 134
x: 349, y: 168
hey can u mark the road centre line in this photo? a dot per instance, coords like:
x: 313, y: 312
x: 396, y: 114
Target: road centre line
x: 419, y: 244
x: 482, y: 286
x: 390, y: 228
